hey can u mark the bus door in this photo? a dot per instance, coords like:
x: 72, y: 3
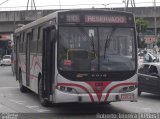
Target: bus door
x: 16, y: 42
x: 29, y: 37
x: 48, y: 59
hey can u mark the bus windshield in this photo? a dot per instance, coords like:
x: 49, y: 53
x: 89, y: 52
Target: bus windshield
x: 96, y: 49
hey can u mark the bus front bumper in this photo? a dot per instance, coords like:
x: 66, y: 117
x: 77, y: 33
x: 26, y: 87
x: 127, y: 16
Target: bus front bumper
x: 63, y: 97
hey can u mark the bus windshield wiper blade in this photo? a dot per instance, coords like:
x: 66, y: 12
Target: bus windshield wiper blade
x: 90, y: 38
x: 92, y: 42
x: 108, y: 40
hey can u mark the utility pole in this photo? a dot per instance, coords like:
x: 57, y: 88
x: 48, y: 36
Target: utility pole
x: 60, y: 4
x: 127, y: 2
x: 33, y: 5
x: 132, y: 3
x: 155, y: 28
x: 155, y: 22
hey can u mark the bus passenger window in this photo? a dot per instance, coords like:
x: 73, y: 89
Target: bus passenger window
x: 39, y: 40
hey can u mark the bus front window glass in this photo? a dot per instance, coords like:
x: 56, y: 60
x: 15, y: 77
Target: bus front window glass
x: 116, y: 49
x: 77, y: 48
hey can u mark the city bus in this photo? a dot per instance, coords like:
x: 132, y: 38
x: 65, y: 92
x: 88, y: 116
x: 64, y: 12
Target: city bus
x: 78, y: 56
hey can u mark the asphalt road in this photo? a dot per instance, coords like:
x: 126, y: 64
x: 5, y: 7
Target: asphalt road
x: 27, y: 105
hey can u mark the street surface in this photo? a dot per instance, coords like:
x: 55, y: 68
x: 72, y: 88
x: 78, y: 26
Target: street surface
x: 13, y: 101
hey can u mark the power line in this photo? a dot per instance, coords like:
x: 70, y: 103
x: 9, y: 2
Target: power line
x: 4, y: 2
x: 109, y: 4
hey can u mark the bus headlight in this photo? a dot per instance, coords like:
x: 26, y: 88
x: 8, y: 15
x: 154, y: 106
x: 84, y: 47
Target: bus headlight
x: 67, y: 89
x: 127, y: 89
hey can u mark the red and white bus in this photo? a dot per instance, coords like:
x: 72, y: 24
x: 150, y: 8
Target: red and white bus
x: 86, y: 56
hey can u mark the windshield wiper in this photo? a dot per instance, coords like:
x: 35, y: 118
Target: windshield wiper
x: 108, y: 40
x: 92, y: 43
x: 90, y: 38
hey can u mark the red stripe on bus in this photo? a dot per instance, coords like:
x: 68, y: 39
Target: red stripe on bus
x: 115, y: 86
x: 77, y: 85
x: 98, y: 88
x: 36, y: 63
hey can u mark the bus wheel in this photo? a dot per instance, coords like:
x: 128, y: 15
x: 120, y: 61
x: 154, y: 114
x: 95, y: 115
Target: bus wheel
x: 22, y: 88
x: 43, y: 101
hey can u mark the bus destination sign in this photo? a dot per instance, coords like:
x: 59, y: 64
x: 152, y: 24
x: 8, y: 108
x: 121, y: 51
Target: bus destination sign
x: 105, y: 19
x: 73, y: 18
x: 94, y: 19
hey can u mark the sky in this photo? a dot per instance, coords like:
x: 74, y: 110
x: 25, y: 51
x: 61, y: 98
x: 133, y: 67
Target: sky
x: 7, y: 5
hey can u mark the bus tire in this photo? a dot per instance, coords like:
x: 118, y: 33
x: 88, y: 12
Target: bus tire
x: 43, y: 101
x: 23, y: 89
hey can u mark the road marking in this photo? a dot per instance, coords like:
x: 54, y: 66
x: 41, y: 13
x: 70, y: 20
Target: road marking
x: 43, y: 110
x: 18, y: 102
x: 33, y: 107
x: 37, y: 108
x: 147, y: 109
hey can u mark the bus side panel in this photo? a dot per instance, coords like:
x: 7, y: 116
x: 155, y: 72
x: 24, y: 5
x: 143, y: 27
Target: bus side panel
x: 35, y: 69
x: 22, y: 67
x: 17, y: 57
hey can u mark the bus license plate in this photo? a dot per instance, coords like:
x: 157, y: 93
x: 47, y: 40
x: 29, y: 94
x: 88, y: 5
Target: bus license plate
x: 127, y: 96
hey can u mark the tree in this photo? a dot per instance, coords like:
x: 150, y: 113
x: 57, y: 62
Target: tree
x: 141, y: 26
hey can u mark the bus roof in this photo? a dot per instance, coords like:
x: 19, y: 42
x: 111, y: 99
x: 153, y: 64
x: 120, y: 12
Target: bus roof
x: 36, y: 22
x: 54, y: 15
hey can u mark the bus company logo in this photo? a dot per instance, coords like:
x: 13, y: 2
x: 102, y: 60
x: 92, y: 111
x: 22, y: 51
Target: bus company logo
x: 98, y: 86
x: 81, y: 75
x: 98, y: 89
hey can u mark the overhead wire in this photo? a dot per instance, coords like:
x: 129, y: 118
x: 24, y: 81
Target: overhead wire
x: 71, y: 5
x: 4, y: 2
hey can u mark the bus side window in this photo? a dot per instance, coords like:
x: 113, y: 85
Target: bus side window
x: 24, y: 43
x: 18, y: 39
x: 34, y: 41
x: 39, y: 40
x: 23, y: 34
x: 20, y: 42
